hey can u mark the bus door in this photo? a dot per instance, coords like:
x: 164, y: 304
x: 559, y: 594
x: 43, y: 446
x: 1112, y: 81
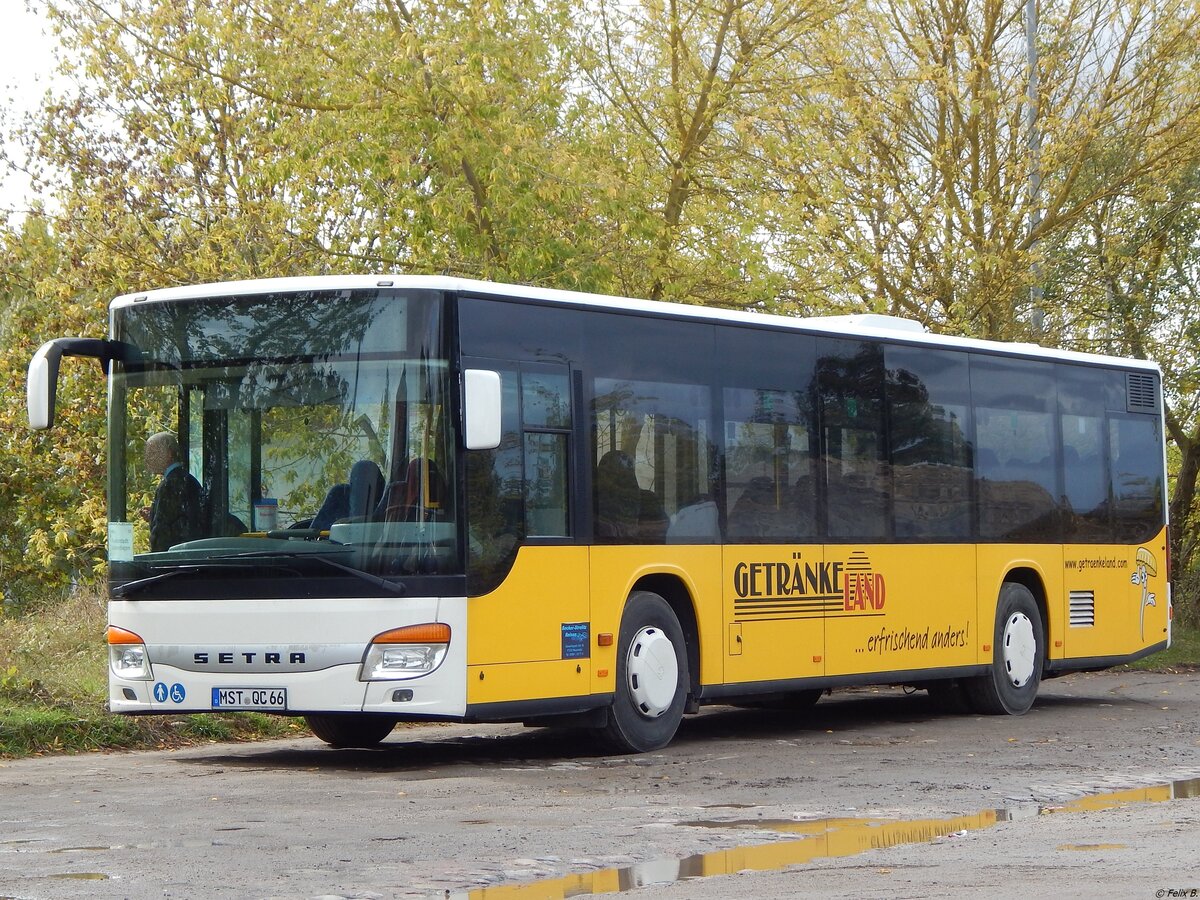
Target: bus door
x: 529, y: 630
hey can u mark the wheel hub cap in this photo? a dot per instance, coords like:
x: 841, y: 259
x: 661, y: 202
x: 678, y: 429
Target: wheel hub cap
x: 1019, y: 652
x: 653, y: 671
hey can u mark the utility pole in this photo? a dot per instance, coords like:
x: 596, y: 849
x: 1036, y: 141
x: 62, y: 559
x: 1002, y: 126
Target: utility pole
x: 1035, y: 156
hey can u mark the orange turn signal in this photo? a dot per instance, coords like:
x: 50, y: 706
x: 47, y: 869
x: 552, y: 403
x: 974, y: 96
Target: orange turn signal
x: 427, y: 633
x: 121, y: 636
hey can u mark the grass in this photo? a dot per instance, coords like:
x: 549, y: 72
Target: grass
x: 54, y: 681
x: 1182, y: 656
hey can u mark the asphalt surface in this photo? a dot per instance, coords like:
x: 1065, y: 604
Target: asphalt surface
x: 872, y: 793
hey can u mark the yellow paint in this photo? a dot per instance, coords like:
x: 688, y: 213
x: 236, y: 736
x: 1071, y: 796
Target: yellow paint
x: 926, y: 617
x: 778, y: 612
x: 1108, y: 571
x: 524, y: 681
x: 615, y: 571
x: 514, y: 634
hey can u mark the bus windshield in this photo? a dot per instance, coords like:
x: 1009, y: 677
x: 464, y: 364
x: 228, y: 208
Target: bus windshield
x: 284, y: 444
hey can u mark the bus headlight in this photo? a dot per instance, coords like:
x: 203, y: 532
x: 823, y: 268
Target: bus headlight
x: 127, y: 655
x: 408, y: 652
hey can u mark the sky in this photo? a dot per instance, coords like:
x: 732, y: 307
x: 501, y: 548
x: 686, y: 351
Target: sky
x: 26, y: 66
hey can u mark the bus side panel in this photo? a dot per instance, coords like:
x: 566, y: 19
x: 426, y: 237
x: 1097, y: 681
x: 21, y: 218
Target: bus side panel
x: 530, y: 639
x: 615, y: 573
x: 907, y: 607
x: 997, y: 562
x: 776, y: 599
x: 1116, y: 598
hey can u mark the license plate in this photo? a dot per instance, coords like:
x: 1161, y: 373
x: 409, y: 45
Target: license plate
x: 249, y: 698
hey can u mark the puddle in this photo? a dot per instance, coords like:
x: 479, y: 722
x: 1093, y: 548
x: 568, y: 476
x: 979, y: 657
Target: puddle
x: 823, y: 839
x: 81, y: 876
x: 1086, y: 847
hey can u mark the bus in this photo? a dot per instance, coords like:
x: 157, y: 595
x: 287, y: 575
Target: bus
x: 426, y: 498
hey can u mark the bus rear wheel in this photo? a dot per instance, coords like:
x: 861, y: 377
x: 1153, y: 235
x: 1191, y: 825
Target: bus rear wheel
x: 1019, y: 652
x: 652, y: 677
x: 350, y: 729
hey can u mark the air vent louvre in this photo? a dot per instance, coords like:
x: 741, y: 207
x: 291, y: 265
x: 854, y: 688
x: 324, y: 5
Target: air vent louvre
x: 1140, y: 393
x: 1083, y: 609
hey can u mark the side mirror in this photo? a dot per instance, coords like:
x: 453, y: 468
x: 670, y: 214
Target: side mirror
x: 42, y: 382
x: 481, y: 409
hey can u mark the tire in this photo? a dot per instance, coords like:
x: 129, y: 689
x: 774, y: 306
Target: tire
x: 350, y: 729
x: 1019, y: 653
x: 652, y: 677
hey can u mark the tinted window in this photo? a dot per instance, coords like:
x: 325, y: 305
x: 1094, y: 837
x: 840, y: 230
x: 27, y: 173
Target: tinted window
x: 653, y: 458
x: 769, y: 487
x: 546, y: 421
x: 1084, y: 393
x: 850, y: 382
x: 770, y: 435
x: 1135, y: 450
x: 929, y: 423
x: 1016, y: 449
x: 501, y: 330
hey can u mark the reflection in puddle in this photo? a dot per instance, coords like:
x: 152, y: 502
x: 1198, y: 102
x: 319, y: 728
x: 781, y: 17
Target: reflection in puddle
x: 81, y: 876
x: 823, y: 838
x: 1093, y: 847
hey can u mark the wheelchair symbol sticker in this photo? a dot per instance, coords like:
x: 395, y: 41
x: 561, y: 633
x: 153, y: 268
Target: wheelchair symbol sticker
x: 176, y: 692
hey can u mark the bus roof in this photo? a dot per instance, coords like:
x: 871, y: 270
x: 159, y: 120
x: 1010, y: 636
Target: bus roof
x: 879, y: 327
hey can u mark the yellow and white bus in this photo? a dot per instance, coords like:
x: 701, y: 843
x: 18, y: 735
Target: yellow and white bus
x: 431, y: 498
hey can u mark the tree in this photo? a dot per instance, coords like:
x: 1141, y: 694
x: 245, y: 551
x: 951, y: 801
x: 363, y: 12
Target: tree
x: 1127, y: 282
x: 928, y: 211
x: 691, y: 99
x: 211, y: 141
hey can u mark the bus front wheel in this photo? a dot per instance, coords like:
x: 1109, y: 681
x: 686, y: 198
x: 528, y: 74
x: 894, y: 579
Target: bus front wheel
x: 652, y: 677
x: 1018, y: 654
x: 350, y: 729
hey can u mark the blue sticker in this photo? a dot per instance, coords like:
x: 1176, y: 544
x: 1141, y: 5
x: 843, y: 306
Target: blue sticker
x: 575, y: 643
x: 177, y: 693
x: 160, y: 692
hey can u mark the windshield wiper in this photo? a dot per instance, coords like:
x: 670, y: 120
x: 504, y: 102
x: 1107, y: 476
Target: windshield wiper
x: 133, y: 587
x: 392, y: 586
x: 263, y: 557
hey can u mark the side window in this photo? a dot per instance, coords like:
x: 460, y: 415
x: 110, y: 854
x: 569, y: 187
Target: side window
x: 1085, y: 394
x: 850, y: 381
x: 522, y: 488
x: 653, y: 459
x: 929, y: 428
x: 1085, y: 479
x: 1016, y: 454
x: 1135, y: 451
x: 769, y: 489
x: 546, y: 420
